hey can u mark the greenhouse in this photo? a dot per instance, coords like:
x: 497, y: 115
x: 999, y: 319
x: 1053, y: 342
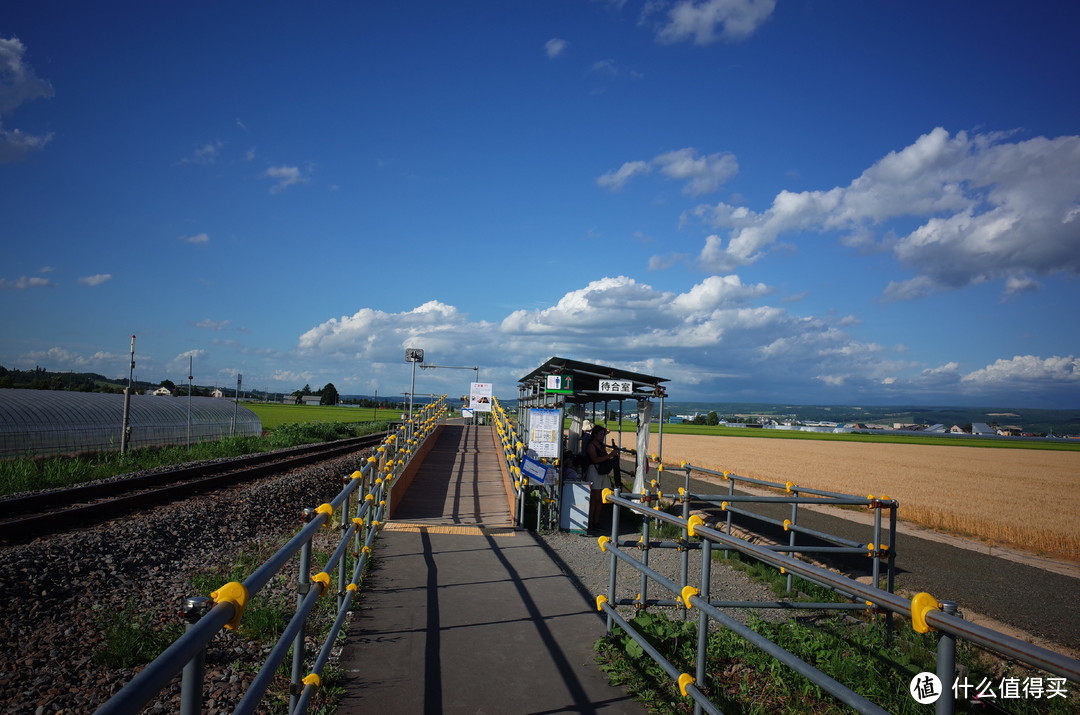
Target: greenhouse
x: 55, y: 422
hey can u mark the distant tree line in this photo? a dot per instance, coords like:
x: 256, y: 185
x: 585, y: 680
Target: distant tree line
x: 41, y: 379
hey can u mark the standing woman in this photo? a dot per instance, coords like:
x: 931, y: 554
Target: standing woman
x: 600, y: 463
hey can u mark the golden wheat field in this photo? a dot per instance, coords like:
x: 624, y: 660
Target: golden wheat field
x: 1017, y: 497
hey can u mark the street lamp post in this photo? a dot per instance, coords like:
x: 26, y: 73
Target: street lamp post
x: 413, y: 355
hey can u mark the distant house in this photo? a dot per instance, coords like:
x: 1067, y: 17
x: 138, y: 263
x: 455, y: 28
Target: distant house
x: 936, y: 429
x: 217, y: 393
x: 311, y: 399
x: 162, y: 392
x: 956, y: 429
x: 982, y: 428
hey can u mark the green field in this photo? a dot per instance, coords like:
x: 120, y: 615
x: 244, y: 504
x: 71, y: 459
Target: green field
x: 721, y: 431
x: 274, y: 415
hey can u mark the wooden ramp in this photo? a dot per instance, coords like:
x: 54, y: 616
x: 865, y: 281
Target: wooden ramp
x: 464, y: 614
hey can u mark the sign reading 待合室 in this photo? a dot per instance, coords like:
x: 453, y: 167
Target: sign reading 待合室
x: 623, y: 386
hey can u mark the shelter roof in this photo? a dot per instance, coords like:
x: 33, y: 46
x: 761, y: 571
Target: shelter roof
x: 587, y: 379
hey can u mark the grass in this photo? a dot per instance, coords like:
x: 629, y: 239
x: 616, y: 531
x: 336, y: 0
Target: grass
x: 274, y: 415
x: 265, y: 620
x: 36, y: 473
x: 740, y: 678
x: 131, y: 637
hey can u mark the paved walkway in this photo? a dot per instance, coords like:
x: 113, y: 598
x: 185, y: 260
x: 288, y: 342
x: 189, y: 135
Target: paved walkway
x: 464, y: 614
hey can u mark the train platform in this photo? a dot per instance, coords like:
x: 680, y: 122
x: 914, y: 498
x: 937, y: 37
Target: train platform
x: 463, y: 613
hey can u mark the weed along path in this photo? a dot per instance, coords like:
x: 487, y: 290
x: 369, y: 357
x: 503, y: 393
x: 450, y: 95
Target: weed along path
x: 1007, y: 498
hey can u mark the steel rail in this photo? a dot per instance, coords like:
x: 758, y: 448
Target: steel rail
x: 59, y: 510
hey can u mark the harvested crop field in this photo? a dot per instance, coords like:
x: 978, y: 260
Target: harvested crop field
x: 1017, y: 497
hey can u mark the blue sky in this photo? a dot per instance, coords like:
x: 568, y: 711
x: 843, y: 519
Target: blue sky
x: 791, y: 201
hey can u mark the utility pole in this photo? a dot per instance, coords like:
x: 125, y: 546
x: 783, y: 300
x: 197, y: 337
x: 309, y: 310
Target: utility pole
x: 236, y: 403
x: 125, y: 429
x: 189, y: 379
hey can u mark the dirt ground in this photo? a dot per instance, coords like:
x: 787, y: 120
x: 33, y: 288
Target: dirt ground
x: 1022, y: 497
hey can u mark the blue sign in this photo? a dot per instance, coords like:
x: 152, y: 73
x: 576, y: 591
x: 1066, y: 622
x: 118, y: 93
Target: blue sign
x: 534, y: 470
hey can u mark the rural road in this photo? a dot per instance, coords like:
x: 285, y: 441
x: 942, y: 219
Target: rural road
x: 1035, y: 600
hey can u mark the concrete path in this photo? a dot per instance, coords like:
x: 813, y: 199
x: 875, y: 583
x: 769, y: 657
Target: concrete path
x: 464, y: 614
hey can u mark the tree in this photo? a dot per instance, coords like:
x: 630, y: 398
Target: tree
x: 713, y: 419
x: 329, y: 395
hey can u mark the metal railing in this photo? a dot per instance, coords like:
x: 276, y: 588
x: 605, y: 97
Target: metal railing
x: 358, y: 511
x: 925, y: 612
x: 513, y: 452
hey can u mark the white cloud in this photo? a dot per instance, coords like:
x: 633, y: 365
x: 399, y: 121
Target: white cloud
x: 992, y: 210
x: 209, y: 324
x: 198, y: 239
x: 702, y: 174
x: 285, y: 176
x: 616, y: 179
x: 18, y: 85
x: 699, y: 20
x: 292, y: 377
x: 16, y: 144
x: 181, y: 361
x: 57, y: 358
x: 555, y: 47
x: 94, y: 280
x: 24, y: 282
x: 1026, y: 372
x: 18, y: 82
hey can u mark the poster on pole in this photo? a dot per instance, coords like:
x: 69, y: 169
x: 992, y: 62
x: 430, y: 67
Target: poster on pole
x: 480, y: 396
x: 545, y: 428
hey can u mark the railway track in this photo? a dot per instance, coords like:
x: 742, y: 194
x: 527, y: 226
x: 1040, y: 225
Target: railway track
x: 28, y: 517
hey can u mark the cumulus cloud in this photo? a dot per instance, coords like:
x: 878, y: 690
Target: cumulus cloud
x: 555, y: 47
x: 24, y: 282
x: 19, y: 84
x: 1026, y: 372
x: 197, y: 239
x: 291, y: 377
x: 381, y: 337
x: 707, y: 21
x: 614, y: 180
x: 702, y: 174
x: 711, y: 333
x: 94, y: 280
x: 992, y: 209
x: 285, y: 176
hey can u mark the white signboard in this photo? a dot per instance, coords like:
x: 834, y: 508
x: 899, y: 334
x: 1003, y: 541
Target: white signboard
x: 624, y: 386
x: 545, y: 428
x: 414, y: 355
x: 480, y: 396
